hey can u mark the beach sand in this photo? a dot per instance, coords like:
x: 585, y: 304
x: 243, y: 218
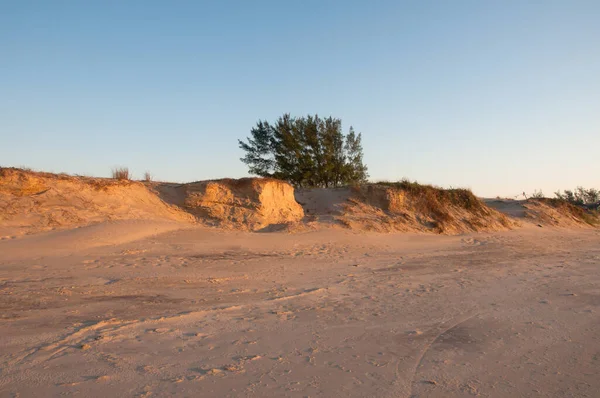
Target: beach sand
x: 155, y: 308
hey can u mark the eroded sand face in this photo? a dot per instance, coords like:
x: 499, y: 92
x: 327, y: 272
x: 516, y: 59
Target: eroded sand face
x: 201, y: 312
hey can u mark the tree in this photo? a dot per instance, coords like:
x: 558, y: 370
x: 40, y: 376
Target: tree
x: 357, y: 171
x: 307, y: 152
x: 259, y: 150
x: 332, y: 138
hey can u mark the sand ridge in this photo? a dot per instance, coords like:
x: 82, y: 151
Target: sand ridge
x: 33, y: 202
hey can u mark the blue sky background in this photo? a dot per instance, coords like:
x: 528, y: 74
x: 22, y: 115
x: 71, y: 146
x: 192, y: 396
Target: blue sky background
x: 498, y: 96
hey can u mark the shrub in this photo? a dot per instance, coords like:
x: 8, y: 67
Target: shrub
x: 580, y: 196
x: 121, y: 173
x: 147, y: 176
x: 538, y: 194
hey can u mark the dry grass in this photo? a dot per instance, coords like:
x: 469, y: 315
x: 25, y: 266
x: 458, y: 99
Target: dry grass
x: 444, y: 210
x: 121, y: 173
x: 436, y: 200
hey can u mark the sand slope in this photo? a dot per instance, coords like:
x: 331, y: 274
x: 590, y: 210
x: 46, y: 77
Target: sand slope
x: 36, y: 202
x: 33, y: 202
x: 387, y: 209
x: 546, y: 213
x: 247, y: 203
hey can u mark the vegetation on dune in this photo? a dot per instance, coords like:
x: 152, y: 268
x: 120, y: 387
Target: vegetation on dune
x: 121, y: 173
x: 589, y: 216
x: 442, y: 206
x: 582, y: 204
x: 579, y: 196
x: 306, y: 152
x: 433, y: 197
x: 537, y: 194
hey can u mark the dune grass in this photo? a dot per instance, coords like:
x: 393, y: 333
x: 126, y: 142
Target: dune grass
x: 121, y: 173
x: 441, y: 204
x: 431, y: 198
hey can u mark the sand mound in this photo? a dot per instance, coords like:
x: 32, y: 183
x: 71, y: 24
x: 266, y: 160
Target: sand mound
x: 34, y: 202
x: 555, y: 212
x: 402, y: 207
x: 547, y: 212
x: 247, y: 203
x: 413, y: 207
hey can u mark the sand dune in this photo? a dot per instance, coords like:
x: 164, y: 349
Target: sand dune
x: 247, y: 203
x: 130, y: 289
x: 33, y: 202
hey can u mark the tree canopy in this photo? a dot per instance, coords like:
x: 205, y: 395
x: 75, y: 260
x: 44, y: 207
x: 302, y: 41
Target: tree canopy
x: 305, y: 151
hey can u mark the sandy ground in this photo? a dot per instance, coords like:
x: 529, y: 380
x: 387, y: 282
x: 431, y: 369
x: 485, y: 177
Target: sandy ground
x: 115, y: 310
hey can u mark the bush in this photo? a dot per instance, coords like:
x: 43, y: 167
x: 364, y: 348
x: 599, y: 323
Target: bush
x: 580, y: 196
x: 538, y: 194
x: 147, y: 176
x: 121, y: 173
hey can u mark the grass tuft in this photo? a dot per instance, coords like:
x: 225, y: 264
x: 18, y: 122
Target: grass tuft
x: 121, y: 173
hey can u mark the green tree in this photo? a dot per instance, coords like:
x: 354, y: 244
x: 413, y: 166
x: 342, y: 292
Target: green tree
x: 356, y: 169
x: 307, y: 152
x: 287, y: 149
x: 334, y: 163
x: 259, y: 148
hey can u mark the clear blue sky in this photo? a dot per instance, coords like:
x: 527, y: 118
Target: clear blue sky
x: 499, y: 96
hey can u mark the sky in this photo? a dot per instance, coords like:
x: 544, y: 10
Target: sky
x: 497, y: 96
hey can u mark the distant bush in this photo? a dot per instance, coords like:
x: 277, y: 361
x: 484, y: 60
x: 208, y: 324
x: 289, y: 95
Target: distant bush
x: 121, y: 173
x: 147, y: 176
x: 579, y: 196
x: 537, y: 194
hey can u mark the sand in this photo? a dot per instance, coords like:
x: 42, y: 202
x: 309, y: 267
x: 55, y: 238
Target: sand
x: 132, y: 289
x: 33, y: 202
x: 251, y: 204
x: 157, y: 308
